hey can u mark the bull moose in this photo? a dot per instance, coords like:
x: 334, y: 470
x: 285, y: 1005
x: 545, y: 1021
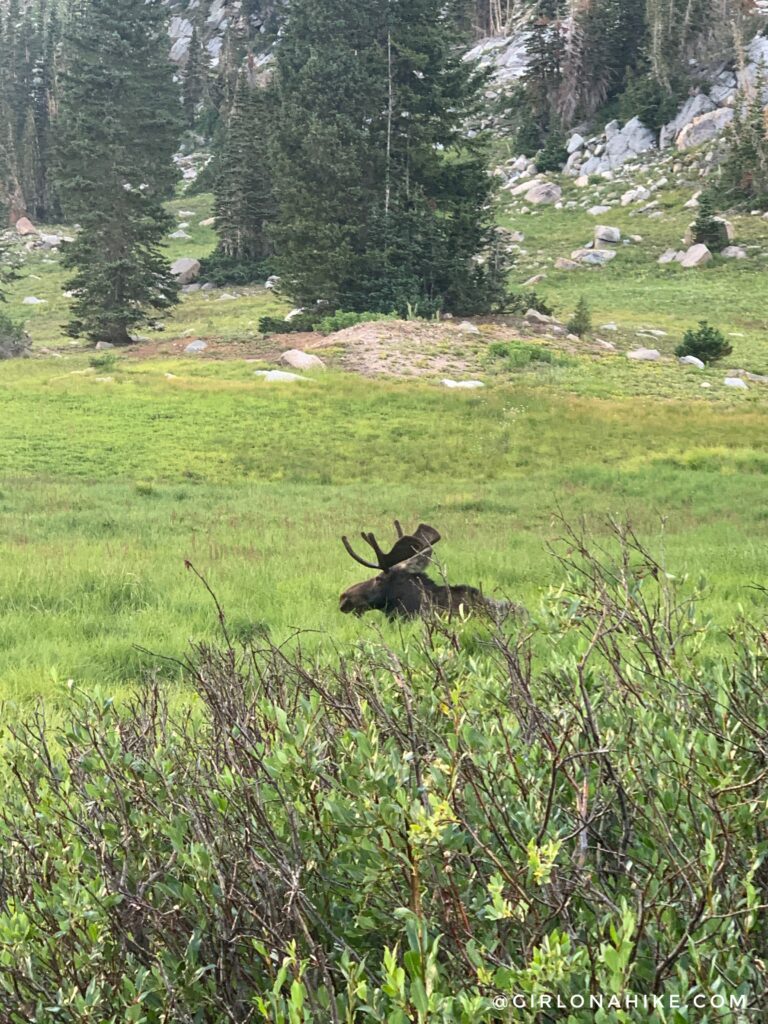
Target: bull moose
x: 402, y: 589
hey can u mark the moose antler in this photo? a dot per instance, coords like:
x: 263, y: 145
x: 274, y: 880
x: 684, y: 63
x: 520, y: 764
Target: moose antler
x: 406, y: 547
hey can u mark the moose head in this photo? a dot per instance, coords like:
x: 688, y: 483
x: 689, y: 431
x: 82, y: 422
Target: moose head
x: 402, y: 589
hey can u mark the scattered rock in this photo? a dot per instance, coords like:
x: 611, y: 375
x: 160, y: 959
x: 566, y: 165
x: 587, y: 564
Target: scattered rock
x: 180, y: 235
x: 467, y: 328
x: 607, y: 345
x: 609, y: 327
x: 671, y: 256
x: 226, y: 297
x: 692, y: 361
x: 273, y: 283
x: 582, y: 181
x: 32, y: 300
x: 104, y: 346
x: 603, y: 233
x: 208, y: 222
x: 301, y: 360
x: 536, y: 279
x: 186, y: 270
x: 575, y: 143
x: 598, y: 211
x: 693, y: 202
x: 190, y: 289
x: 593, y: 257
x: 278, y: 376
x: 736, y: 382
x: 196, y: 346
x: 535, y: 317
x: 25, y: 227
x: 734, y: 252
x: 696, y: 256
x: 561, y: 263
x: 645, y: 355
x: 463, y: 385
x: 635, y: 195
x: 544, y: 193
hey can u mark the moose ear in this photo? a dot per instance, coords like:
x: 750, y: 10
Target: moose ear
x: 428, y: 534
x: 416, y: 564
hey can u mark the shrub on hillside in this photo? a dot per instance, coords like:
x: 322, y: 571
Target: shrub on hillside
x: 704, y: 342
x: 298, y: 324
x: 581, y: 321
x: 220, y: 269
x: 14, y: 341
x: 340, y: 320
x: 402, y: 835
x: 554, y: 154
x: 518, y: 354
x: 708, y: 229
x: 520, y: 302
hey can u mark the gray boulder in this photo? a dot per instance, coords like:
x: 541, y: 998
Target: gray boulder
x: 696, y: 256
x: 704, y: 128
x: 593, y: 257
x: 736, y: 382
x: 544, y: 194
x: 692, y: 361
x: 278, y: 376
x: 604, y: 233
x: 463, y: 385
x: 299, y: 360
x: 196, y: 346
x: 645, y: 355
x: 186, y: 270
x: 734, y: 252
x: 691, y: 109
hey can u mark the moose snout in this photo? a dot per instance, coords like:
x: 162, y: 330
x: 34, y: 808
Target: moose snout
x: 346, y: 604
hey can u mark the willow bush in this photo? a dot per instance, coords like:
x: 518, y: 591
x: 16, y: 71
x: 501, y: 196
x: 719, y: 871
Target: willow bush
x: 569, y: 806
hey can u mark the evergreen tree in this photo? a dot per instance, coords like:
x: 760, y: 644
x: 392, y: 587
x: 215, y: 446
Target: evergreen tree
x: 384, y: 202
x: 543, y: 78
x: 195, y: 76
x: 243, y: 193
x: 119, y: 127
x: 744, y: 172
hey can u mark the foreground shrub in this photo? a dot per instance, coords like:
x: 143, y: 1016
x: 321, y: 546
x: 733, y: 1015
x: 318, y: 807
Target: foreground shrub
x: 704, y: 342
x: 578, y: 809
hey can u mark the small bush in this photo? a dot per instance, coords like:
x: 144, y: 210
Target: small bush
x: 519, y: 355
x: 705, y: 342
x: 708, y: 229
x: 520, y: 302
x: 104, y: 361
x: 14, y: 341
x: 341, y: 320
x: 221, y: 269
x: 581, y: 321
x: 296, y: 325
x: 554, y: 154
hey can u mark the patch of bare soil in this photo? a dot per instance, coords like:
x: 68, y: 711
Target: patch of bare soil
x: 386, y: 348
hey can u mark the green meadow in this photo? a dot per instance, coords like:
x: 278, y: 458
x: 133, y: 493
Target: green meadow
x: 110, y: 478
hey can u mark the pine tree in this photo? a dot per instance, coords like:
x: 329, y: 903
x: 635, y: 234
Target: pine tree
x: 119, y: 127
x: 385, y: 203
x: 195, y: 74
x: 744, y: 172
x: 243, y: 193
